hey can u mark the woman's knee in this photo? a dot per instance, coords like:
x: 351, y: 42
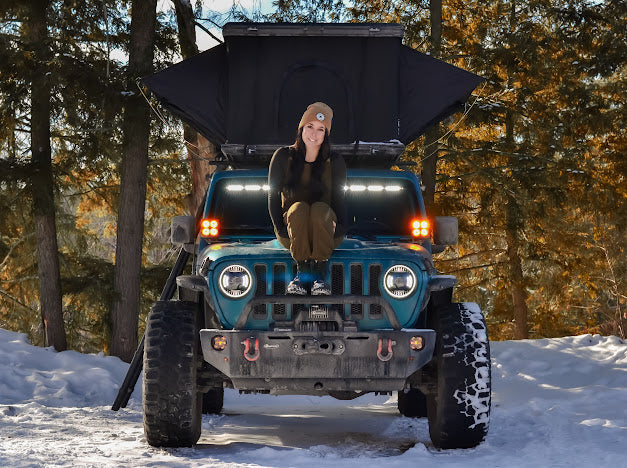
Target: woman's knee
x: 284, y: 241
x: 298, y: 212
x: 322, y: 214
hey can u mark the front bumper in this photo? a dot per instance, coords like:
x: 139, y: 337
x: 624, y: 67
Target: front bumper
x: 314, y: 363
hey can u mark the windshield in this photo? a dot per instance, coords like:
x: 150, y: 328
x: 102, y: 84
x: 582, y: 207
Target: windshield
x: 374, y: 206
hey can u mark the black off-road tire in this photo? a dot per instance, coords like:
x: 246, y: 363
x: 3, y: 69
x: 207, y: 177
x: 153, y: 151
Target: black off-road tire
x: 171, y: 401
x: 412, y: 403
x: 213, y: 400
x: 459, y: 410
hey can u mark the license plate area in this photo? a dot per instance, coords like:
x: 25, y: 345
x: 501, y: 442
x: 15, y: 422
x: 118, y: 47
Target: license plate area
x: 318, y: 312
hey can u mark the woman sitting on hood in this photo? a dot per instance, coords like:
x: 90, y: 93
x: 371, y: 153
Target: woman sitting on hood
x: 306, y: 200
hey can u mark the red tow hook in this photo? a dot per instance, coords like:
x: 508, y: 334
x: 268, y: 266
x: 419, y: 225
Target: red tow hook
x: 255, y: 356
x: 389, y: 354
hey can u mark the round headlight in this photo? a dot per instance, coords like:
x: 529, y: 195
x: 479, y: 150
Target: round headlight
x: 399, y: 281
x: 235, y: 281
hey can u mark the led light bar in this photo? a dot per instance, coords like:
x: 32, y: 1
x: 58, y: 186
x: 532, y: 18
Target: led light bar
x: 247, y: 188
x: 372, y: 188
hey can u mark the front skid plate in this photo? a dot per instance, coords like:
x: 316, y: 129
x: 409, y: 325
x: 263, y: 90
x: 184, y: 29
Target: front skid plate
x: 288, y: 361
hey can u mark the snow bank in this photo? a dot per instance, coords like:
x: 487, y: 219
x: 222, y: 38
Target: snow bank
x: 556, y: 402
x: 41, y: 375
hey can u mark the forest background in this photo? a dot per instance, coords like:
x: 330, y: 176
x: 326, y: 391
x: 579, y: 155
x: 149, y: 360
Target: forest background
x: 534, y: 167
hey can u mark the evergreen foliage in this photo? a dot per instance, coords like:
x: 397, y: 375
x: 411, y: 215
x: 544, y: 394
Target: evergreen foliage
x: 535, y: 169
x: 89, y: 43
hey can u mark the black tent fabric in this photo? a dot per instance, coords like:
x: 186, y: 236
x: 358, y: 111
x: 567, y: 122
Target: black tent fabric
x: 272, y: 80
x: 253, y: 89
x: 195, y: 91
x: 431, y: 90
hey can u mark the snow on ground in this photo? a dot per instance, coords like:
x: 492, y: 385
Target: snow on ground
x: 556, y: 402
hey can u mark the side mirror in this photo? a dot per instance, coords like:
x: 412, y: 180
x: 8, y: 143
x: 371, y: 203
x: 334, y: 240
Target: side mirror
x: 445, y: 230
x: 183, y: 230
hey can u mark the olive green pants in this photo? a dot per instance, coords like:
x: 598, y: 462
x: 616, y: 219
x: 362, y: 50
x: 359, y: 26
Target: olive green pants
x: 311, y: 231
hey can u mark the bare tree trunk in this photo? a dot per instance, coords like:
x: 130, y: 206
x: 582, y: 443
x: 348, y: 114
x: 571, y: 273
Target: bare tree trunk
x: 187, y: 28
x: 201, y: 154
x: 431, y: 154
x: 43, y: 182
x: 429, y: 173
x: 513, y: 225
x: 130, y: 227
x: 199, y: 150
x: 517, y: 282
x: 435, y: 19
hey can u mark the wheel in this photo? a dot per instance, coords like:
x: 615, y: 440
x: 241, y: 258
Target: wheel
x: 171, y: 402
x: 213, y: 400
x: 459, y: 410
x: 412, y: 403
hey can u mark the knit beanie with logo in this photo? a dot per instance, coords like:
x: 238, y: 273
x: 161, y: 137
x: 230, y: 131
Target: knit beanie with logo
x: 317, y: 111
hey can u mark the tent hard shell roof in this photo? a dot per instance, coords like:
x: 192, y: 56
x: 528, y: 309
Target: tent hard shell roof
x: 251, y: 91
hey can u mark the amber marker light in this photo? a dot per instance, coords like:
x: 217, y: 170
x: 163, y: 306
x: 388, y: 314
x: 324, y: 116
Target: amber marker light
x: 218, y: 343
x: 416, y: 343
x: 209, y: 227
x: 420, y: 228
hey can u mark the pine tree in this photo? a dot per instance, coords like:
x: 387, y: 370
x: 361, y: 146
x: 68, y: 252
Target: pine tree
x: 130, y: 226
x: 88, y: 42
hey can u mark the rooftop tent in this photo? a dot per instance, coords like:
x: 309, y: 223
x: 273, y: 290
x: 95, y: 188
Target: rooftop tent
x: 430, y: 91
x: 253, y: 89
x: 276, y: 71
x: 195, y: 91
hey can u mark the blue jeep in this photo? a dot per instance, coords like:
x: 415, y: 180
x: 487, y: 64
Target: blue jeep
x: 389, y: 325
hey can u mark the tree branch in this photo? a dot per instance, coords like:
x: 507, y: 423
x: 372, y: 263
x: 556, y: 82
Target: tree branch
x: 476, y: 267
x: 207, y: 31
x: 17, y: 301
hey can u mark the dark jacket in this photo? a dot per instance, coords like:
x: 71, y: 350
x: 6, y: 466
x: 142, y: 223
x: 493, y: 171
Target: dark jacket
x: 280, y: 199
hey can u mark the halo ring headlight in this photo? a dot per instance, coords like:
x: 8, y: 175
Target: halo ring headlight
x: 235, y: 281
x: 399, y: 281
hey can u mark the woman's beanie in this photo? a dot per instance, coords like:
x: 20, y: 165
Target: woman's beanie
x: 317, y: 111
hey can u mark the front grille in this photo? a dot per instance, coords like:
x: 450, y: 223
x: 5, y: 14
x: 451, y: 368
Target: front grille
x: 346, y: 278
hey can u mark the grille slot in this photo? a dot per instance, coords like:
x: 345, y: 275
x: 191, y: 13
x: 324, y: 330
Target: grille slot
x: 357, y: 288
x: 337, y: 285
x: 279, y: 311
x: 260, y: 311
x: 295, y: 309
x: 374, y: 311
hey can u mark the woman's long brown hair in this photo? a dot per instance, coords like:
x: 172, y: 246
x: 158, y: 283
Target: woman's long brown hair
x: 298, y: 152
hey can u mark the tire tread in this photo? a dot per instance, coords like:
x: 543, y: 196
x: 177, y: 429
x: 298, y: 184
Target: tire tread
x: 459, y: 411
x: 171, y: 403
